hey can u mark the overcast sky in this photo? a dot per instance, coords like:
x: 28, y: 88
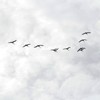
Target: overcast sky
x: 40, y: 74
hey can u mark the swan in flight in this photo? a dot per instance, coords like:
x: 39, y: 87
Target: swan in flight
x: 67, y: 48
x: 13, y: 42
x: 82, y: 40
x: 38, y: 46
x: 86, y: 33
x: 81, y: 49
x: 55, y: 50
x: 26, y: 45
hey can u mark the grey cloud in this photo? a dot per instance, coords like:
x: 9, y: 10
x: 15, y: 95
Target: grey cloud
x: 36, y: 74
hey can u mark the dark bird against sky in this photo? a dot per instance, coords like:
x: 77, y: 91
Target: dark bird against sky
x: 13, y: 42
x: 55, y: 50
x: 81, y: 49
x: 39, y: 46
x: 67, y: 48
x: 82, y: 40
x: 26, y: 45
x: 86, y: 33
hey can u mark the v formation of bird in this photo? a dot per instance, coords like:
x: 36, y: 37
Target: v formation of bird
x: 56, y: 49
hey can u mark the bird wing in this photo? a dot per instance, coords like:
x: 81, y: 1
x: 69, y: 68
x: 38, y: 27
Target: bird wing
x: 78, y: 49
x: 83, y: 33
x: 80, y: 40
x: 37, y: 46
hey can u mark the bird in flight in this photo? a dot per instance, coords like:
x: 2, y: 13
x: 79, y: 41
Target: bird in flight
x: 82, y: 40
x: 55, y: 50
x: 26, y: 45
x: 67, y: 48
x: 81, y: 49
x: 38, y: 46
x: 13, y: 42
x: 86, y: 33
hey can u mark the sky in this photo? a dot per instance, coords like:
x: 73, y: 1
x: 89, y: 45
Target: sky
x: 38, y: 73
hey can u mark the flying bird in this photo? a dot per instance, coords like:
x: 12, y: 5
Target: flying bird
x: 82, y: 40
x: 26, y: 45
x: 55, y: 50
x: 86, y: 33
x: 38, y: 46
x: 13, y: 42
x: 81, y: 49
x: 67, y: 48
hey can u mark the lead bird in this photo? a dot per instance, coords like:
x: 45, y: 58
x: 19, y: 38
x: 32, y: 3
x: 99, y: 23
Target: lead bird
x: 82, y: 40
x: 81, y: 49
x: 86, y: 33
x: 67, y: 48
x: 39, y: 46
x: 13, y: 42
x: 55, y: 50
x: 26, y: 45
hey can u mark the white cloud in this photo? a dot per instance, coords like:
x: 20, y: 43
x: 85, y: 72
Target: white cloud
x: 39, y: 74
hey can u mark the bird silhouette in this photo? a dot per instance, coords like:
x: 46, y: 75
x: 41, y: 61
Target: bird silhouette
x: 26, y: 45
x: 12, y: 42
x: 82, y: 40
x: 86, y: 33
x: 81, y: 49
x: 38, y: 46
x: 67, y: 48
x: 55, y: 50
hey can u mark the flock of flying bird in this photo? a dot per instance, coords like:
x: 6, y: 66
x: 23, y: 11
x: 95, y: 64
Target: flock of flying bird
x: 56, y: 49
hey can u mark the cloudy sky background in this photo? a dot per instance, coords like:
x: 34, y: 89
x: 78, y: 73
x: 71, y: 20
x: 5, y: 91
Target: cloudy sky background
x: 39, y: 74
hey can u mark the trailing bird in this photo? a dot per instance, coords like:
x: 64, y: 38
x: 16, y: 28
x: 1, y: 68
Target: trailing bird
x: 81, y: 49
x: 82, y: 40
x: 26, y: 45
x: 86, y: 33
x: 55, y: 50
x: 13, y: 42
x: 67, y: 48
x: 38, y: 46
